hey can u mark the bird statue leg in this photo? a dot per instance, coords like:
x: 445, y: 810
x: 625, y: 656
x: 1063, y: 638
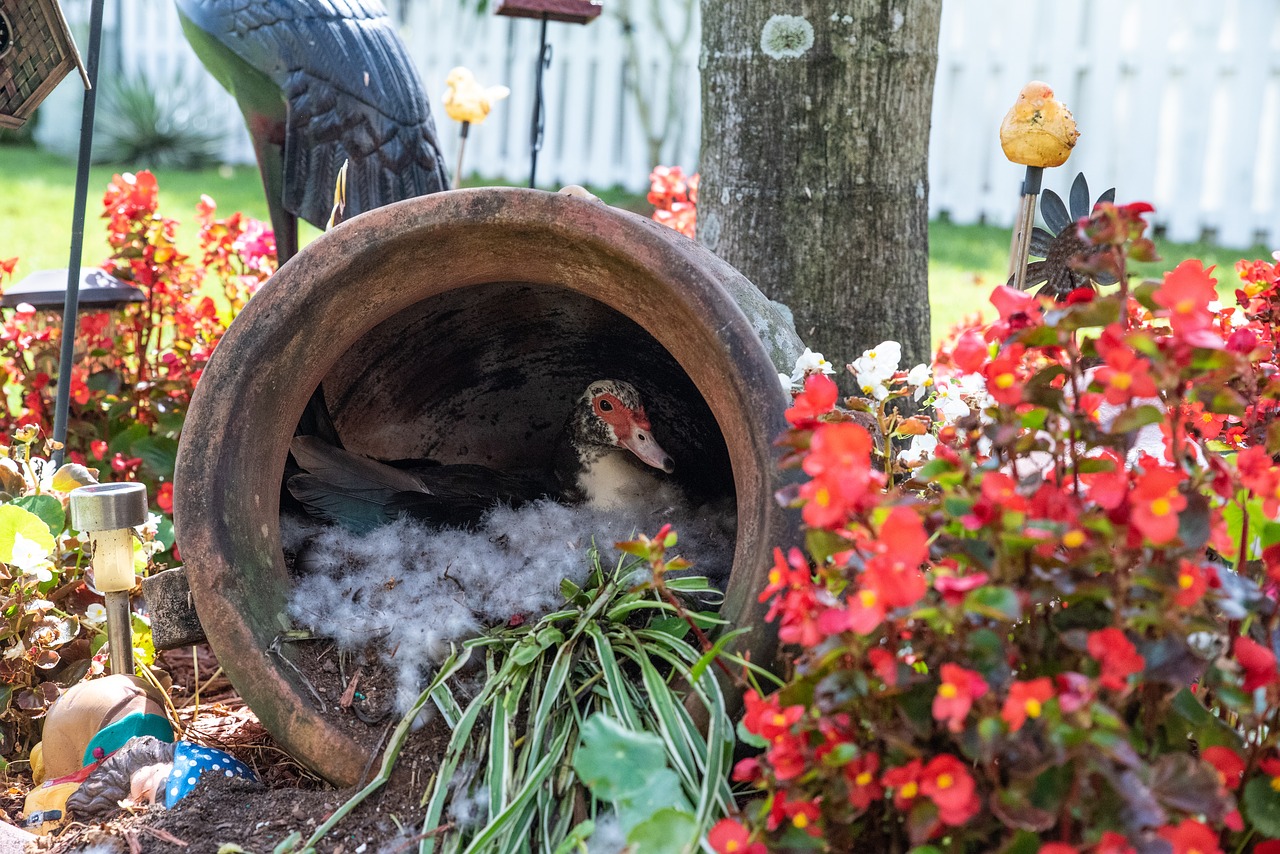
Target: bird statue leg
x: 286, y: 237
x: 270, y: 157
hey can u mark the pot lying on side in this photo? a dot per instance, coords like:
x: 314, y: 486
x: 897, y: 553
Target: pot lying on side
x: 429, y: 322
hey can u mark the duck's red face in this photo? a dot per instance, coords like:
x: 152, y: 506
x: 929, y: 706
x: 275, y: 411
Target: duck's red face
x: 631, y: 430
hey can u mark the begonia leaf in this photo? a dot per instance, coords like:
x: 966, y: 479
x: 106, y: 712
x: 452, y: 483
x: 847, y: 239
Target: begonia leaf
x: 45, y: 659
x: 1094, y: 465
x: 822, y: 544
x: 122, y: 442
x: 1015, y: 810
x: 159, y: 454
x: 1221, y: 399
x: 1141, y: 809
x: 1025, y: 842
x: 922, y: 820
x: 999, y: 603
x: 1199, y: 723
x: 1098, y: 312
x: 1194, y: 522
x: 15, y: 521
x: 1182, y: 782
x: 1135, y: 418
x: 1169, y: 659
x: 933, y: 469
x: 1261, y: 804
x: 48, y: 508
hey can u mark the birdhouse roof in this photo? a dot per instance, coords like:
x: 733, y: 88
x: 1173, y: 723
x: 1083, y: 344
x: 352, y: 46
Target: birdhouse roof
x: 36, y: 52
x: 568, y: 11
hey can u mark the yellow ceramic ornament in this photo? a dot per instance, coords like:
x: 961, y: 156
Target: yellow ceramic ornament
x: 466, y: 100
x: 1038, y: 130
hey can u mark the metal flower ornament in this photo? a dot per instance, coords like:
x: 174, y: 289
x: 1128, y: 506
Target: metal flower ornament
x: 1062, y: 242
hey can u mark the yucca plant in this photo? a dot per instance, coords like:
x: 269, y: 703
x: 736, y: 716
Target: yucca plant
x: 584, y: 712
x: 145, y: 126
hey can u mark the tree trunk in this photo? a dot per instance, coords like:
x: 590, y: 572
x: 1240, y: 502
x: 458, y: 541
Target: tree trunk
x: 815, y: 143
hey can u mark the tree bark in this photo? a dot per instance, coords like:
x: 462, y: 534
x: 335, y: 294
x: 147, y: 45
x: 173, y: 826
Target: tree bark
x: 815, y: 143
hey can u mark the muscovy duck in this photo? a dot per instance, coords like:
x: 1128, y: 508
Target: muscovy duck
x: 600, y: 462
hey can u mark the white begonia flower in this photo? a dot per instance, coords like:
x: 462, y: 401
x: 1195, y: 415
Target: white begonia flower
x: 972, y: 384
x: 879, y: 362
x: 920, y: 378
x: 786, y: 382
x: 922, y: 447
x: 810, y: 363
x: 947, y: 402
x: 872, y: 385
x: 148, y: 529
x: 30, y: 557
x: 95, y: 613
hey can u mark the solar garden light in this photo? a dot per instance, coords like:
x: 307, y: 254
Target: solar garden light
x: 108, y: 513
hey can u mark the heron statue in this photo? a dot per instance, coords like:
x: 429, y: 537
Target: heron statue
x: 321, y: 82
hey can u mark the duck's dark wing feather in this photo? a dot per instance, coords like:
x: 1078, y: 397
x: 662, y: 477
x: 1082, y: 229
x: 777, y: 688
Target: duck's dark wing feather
x: 361, y: 493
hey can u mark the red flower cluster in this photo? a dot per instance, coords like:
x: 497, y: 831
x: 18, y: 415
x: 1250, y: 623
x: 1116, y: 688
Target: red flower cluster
x: 675, y: 197
x: 1074, y: 589
x: 137, y: 368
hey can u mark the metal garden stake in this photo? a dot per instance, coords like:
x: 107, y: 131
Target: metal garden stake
x: 1037, y: 132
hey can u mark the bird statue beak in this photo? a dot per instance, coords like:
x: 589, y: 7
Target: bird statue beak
x: 641, y: 443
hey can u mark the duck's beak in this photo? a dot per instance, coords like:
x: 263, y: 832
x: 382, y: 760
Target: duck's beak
x: 641, y: 443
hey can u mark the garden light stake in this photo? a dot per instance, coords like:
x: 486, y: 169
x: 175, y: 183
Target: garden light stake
x: 108, y: 513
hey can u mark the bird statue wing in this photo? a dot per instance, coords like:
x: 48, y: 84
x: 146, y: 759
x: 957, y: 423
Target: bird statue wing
x: 352, y: 93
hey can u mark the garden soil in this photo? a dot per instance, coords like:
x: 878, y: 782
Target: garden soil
x: 257, y: 816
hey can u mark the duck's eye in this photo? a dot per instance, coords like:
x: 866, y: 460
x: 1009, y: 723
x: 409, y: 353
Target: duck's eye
x: 605, y: 406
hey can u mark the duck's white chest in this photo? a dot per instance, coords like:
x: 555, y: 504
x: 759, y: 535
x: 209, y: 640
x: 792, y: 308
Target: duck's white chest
x: 613, y: 482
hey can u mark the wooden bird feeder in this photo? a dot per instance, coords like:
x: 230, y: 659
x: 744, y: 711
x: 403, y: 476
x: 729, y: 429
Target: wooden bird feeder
x: 36, y: 52
x: 567, y: 11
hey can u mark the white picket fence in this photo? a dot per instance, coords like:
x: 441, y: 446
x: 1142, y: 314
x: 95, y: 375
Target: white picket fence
x: 1178, y: 100
x: 1177, y: 103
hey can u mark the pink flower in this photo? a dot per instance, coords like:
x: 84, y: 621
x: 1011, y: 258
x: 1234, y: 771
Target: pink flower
x: 955, y: 695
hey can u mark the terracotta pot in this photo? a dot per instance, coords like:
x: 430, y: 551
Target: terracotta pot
x: 460, y: 326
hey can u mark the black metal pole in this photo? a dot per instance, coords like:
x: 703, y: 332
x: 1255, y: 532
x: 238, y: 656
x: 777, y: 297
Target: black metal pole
x: 537, y: 132
x: 71, y: 307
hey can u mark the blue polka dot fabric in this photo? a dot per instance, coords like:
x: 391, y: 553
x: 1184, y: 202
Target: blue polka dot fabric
x: 191, y: 761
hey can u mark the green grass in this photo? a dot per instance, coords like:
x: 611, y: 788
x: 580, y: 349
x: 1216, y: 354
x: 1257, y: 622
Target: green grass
x: 39, y: 192
x: 965, y: 262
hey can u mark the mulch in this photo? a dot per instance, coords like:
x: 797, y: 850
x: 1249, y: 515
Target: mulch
x: 257, y: 816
